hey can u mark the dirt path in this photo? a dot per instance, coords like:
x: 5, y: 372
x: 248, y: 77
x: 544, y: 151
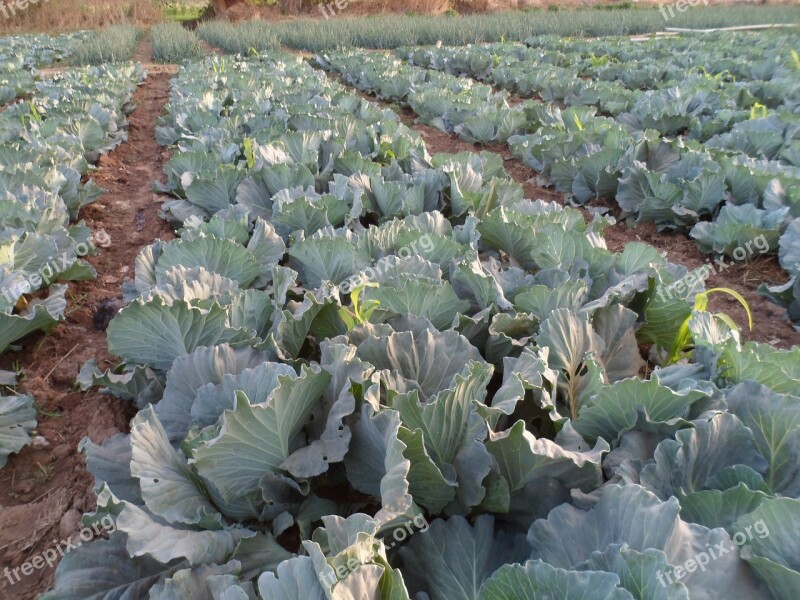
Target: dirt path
x: 209, y: 49
x: 769, y: 322
x: 43, y: 492
x: 144, y: 51
x: 150, y: 67
x: 20, y: 98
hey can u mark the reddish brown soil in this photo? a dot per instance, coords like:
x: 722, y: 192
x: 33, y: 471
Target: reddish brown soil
x: 439, y: 141
x: 144, y: 52
x: 208, y: 48
x: 40, y: 489
x: 20, y: 98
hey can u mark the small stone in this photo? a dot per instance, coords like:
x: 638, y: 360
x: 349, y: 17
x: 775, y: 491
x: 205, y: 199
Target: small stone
x: 40, y: 442
x: 79, y: 504
x: 70, y: 523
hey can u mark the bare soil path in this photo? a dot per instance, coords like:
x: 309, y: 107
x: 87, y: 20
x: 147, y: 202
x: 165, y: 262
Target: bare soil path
x: 44, y: 491
x: 209, y: 49
x: 144, y: 51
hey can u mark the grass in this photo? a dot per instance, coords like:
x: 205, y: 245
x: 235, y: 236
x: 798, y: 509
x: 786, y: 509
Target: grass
x: 239, y: 39
x: 173, y: 43
x: 388, y: 32
x: 109, y: 45
x: 180, y: 13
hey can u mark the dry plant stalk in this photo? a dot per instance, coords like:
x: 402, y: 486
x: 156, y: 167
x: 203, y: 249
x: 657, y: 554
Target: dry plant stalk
x: 68, y: 15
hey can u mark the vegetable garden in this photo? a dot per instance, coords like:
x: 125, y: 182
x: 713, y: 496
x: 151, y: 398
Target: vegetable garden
x: 356, y: 367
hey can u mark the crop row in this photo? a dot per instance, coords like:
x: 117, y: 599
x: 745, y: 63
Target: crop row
x: 345, y: 30
x: 173, y: 43
x: 722, y: 196
x: 48, y: 144
x: 21, y: 55
x: 764, y: 56
x: 114, y: 44
x: 636, y: 65
x: 634, y: 83
x: 352, y: 332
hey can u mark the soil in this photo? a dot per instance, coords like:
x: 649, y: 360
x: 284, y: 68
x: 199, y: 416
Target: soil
x: 144, y: 52
x: 209, y: 49
x: 42, y: 488
x: 20, y: 98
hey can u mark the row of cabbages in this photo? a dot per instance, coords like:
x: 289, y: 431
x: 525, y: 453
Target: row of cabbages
x: 366, y: 372
x: 731, y: 71
x: 21, y: 55
x: 48, y: 143
x: 724, y: 195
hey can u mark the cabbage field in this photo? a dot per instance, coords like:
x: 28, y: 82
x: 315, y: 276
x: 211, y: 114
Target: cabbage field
x: 361, y: 368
